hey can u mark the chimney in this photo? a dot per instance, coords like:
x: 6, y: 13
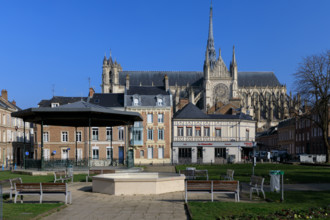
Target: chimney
x: 127, y: 82
x: 166, y: 83
x: 4, y: 94
x: 91, y: 92
x: 13, y: 102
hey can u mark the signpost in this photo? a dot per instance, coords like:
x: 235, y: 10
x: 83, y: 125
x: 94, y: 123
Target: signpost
x: 254, y: 163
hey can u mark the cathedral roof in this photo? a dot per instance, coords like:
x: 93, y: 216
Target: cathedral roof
x: 156, y: 78
x: 257, y: 79
x: 147, y: 90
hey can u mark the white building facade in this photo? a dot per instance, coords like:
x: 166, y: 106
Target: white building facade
x: 201, y: 138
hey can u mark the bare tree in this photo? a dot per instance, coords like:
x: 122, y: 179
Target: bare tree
x: 312, y: 81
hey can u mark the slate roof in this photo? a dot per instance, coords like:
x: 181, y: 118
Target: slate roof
x: 190, y: 111
x: 147, y: 90
x: 61, y: 100
x: 257, y: 79
x: 108, y: 99
x: 8, y: 105
x: 286, y: 122
x: 194, y: 78
x: 181, y: 78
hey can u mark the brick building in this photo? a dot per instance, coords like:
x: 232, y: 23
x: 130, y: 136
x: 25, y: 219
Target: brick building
x: 12, y: 133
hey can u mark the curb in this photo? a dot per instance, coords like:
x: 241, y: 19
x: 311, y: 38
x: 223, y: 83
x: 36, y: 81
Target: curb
x: 188, y: 212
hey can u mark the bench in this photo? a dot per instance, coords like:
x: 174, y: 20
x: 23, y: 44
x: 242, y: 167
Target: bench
x: 12, y: 186
x: 229, y: 175
x: 42, y: 189
x: 97, y: 172
x: 257, y: 183
x: 62, y: 176
x: 193, y: 174
x: 212, y: 186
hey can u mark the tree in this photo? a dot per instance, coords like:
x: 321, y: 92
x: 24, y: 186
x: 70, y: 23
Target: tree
x: 312, y: 81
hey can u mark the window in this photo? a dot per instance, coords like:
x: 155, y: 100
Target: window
x: 220, y: 152
x: 135, y: 102
x: 161, y: 134
x: 95, y: 134
x: 160, y: 118
x: 64, y: 136
x: 247, y: 134
x: 160, y: 152
x: 180, y: 131
x: 149, y: 119
x: 150, y: 134
x: 218, y: 132
x: 55, y: 105
x: 65, y: 154
x: 198, y: 131
x: 207, y: 132
x: 79, y: 154
x: 141, y: 153
x: 184, y: 152
x: 78, y: 136
x: 138, y: 124
x: 46, y: 136
x: 150, y: 152
x: 46, y: 154
x: 121, y: 133
x: 189, y: 131
x: 109, y: 133
x: 109, y: 153
x: 159, y: 102
x: 95, y: 153
x: 137, y: 135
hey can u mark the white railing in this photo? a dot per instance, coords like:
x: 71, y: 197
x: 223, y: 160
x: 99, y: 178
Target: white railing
x: 201, y: 138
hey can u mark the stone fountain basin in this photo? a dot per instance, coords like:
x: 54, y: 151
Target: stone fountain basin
x: 138, y: 183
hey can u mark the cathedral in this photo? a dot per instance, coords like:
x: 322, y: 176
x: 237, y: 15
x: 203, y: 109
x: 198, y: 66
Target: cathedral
x: 217, y: 89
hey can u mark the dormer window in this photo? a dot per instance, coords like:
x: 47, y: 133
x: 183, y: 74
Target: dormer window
x: 160, y: 100
x: 136, y: 100
x: 55, y: 105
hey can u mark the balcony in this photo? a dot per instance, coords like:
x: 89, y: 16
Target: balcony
x: 136, y: 136
x: 209, y: 139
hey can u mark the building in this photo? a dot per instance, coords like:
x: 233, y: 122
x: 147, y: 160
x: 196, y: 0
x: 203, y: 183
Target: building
x: 202, y: 138
x: 151, y: 139
x: 286, y: 135
x: 12, y: 133
x: 216, y: 89
x: 268, y: 140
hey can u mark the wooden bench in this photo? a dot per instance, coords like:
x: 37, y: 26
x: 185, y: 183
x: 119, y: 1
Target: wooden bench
x: 42, y: 189
x: 97, y: 172
x: 257, y: 183
x: 229, y: 175
x: 62, y: 176
x: 193, y: 174
x: 212, y: 186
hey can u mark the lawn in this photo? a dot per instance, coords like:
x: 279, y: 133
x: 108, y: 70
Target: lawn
x: 37, y: 179
x: 295, y: 202
x: 243, y: 172
x: 23, y: 211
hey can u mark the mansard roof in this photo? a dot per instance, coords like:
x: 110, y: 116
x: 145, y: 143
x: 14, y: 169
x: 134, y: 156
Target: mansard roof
x: 257, y: 79
x: 147, y: 90
x: 108, y: 99
x: 62, y: 100
x: 156, y: 78
x: 190, y: 111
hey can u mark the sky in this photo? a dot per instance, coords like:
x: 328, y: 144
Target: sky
x: 55, y: 46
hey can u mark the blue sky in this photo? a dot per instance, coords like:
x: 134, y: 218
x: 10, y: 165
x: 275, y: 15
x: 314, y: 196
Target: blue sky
x: 62, y: 43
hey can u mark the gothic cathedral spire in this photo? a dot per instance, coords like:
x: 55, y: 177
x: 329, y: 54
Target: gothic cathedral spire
x: 210, y: 50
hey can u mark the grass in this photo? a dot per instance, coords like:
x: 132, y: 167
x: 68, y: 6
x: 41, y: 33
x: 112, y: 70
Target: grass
x: 37, y: 179
x: 294, y: 200
x: 24, y: 211
x: 243, y: 172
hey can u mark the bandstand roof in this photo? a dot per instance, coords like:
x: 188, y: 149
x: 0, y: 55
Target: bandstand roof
x: 78, y: 114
